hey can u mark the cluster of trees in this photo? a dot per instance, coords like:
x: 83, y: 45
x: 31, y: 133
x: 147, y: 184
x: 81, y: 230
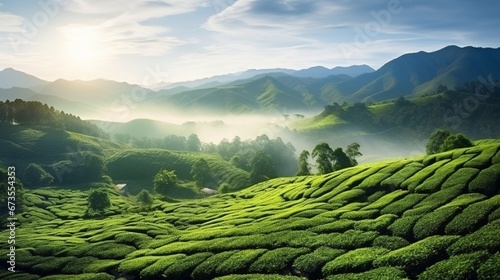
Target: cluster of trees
x: 34, y: 112
x: 442, y: 140
x: 247, y: 154
x: 327, y: 159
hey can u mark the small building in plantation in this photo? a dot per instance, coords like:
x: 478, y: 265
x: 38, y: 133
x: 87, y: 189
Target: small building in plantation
x: 122, y: 188
x: 208, y: 191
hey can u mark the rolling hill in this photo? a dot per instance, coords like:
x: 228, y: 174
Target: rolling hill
x: 431, y: 217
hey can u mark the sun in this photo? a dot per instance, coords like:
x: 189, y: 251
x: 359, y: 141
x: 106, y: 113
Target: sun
x: 83, y: 45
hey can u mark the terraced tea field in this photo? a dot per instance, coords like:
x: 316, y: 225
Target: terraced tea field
x: 433, y: 217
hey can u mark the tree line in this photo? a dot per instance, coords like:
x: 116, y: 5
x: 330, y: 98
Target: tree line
x: 34, y: 112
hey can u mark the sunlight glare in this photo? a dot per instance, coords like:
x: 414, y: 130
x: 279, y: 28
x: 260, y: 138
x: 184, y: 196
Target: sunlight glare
x: 83, y: 45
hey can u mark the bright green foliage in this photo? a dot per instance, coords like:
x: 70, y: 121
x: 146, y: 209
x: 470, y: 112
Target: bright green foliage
x: 403, y: 227
x: 401, y: 205
x: 386, y: 273
x: 379, y: 224
x: 207, y: 269
x: 423, y: 174
x: 460, y: 177
x: 156, y: 270
x: 276, y: 260
x: 336, y: 226
x: 98, y: 200
x: 418, y: 255
x: 456, y: 267
x: 474, y: 216
x: 354, y: 261
x: 402, y: 175
x: 239, y: 262
x: 274, y: 229
x: 434, y: 222
x: 183, y: 268
x: 490, y: 268
x: 483, y: 160
x: 486, y: 238
x: 390, y: 242
x: 487, y: 181
x: 310, y: 264
x: 164, y: 181
x: 350, y: 239
x: 136, y: 264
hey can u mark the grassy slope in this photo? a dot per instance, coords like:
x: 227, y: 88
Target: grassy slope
x: 22, y: 144
x: 377, y: 221
x: 143, y: 164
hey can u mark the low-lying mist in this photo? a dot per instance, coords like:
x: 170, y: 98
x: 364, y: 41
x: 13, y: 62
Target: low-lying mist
x: 212, y: 128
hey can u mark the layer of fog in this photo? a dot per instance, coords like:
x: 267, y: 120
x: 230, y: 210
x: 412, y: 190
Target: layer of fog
x: 213, y: 129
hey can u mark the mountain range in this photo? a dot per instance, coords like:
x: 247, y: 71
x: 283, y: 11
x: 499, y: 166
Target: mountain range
x: 265, y: 91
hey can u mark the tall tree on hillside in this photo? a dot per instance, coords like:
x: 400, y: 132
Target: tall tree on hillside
x: 436, y: 140
x: 201, y: 172
x: 262, y: 168
x: 98, y: 201
x: 455, y: 141
x: 352, y: 152
x: 164, y: 181
x: 193, y: 143
x: 324, y: 158
x: 304, y: 166
x: 341, y: 160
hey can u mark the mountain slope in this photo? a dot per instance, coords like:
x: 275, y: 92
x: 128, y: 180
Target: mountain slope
x: 421, y: 73
x: 426, y: 217
x: 12, y: 78
x: 265, y: 94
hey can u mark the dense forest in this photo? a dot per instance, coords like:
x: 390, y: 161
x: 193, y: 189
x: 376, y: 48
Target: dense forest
x: 34, y: 112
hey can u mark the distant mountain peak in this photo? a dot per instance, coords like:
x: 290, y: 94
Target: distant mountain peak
x: 10, y: 77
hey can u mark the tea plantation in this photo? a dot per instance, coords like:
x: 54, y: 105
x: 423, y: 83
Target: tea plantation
x: 433, y: 217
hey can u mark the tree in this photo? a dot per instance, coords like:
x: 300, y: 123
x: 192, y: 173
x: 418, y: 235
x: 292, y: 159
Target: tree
x: 341, y: 160
x: 35, y: 176
x: 163, y: 181
x: 324, y: 157
x: 436, y: 140
x: 193, y: 143
x: 262, y: 168
x: 304, y: 166
x: 455, y: 141
x: 145, y: 198
x: 352, y: 152
x: 201, y: 172
x: 98, y: 200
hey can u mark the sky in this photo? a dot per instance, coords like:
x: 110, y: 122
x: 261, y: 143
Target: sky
x: 151, y: 41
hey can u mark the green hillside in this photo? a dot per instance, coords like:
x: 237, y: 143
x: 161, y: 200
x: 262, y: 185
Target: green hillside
x: 413, y: 119
x: 432, y: 217
x: 143, y: 164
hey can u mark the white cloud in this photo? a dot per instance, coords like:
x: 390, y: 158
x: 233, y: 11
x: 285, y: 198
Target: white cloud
x: 10, y: 23
x: 125, y: 30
